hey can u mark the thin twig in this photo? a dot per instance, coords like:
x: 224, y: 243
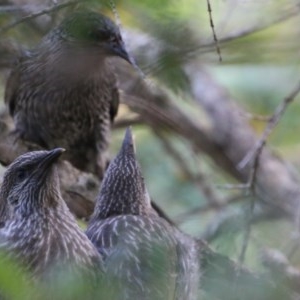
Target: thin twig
x: 31, y: 16
x: 228, y: 186
x: 255, y: 116
x: 278, y: 263
x: 206, y: 47
x: 256, y: 154
x: 251, y: 192
x: 205, y: 208
x: 274, y: 119
x: 213, y: 30
x: 125, y: 122
x: 17, y: 8
x: 199, y: 178
x: 293, y: 12
x: 119, y: 24
x: 294, y: 241
x: 189, y: 53
x: 115, y: 12
x: 293, y: 247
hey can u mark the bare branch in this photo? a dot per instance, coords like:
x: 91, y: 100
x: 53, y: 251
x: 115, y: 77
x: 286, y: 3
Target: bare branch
x: 228, y: 186
x: 233, y: 221
x: 115, y: 12
x: 294, y: 239
x: 250, y: 192
x: 199, y: 179
x: 125, y: 122
x: 274, y: 119
x: 279, y: 266
x: 224, y: 279
x: 181, y: 218
x: 213, y: 30
x: 17, y: 8
x: 31, y: 16
x: 235, y: 137
x: 255, y: 117
x: 284, y: 16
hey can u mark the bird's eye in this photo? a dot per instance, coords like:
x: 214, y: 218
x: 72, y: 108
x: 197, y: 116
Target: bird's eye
x: 116, y: 40
x: 113, y: 40
x: 21, y: 175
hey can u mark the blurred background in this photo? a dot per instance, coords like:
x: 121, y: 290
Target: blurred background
x: 198, y: 183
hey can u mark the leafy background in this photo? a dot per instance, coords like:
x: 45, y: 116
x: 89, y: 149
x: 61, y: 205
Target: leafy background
x: 258, y: 70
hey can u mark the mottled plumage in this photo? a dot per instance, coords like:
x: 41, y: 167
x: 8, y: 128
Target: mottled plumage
x: 37, y: 228
x: 143, y: 254
x: 63, y: 93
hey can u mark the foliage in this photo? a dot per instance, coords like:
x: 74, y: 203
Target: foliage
x: 259, y: 69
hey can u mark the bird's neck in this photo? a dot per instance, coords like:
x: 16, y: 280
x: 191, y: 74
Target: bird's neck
x: 116, y: 206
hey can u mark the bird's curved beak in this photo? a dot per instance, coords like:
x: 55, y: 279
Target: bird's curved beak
x: 119, y: 50
x: 54, y: 154
x: 44, y: 165
x: 51, y: 157
x: 128, y: 142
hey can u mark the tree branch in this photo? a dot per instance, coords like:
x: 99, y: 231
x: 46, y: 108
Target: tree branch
x: 33, y: 15
x: 199, y: 179
x: 224, y: 279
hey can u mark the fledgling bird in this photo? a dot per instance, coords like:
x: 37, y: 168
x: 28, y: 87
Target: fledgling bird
x: 146, y: 256
x: 64, y: 93
x: 37, y: 229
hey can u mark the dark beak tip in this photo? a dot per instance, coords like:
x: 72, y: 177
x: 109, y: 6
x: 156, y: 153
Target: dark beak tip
x: 121, y: 52
x: 50, y: 158
x: 58, y: 151
x: 127, y: 58
x: 128, y: 140
x: 55, y: 153
x: 128, y: 134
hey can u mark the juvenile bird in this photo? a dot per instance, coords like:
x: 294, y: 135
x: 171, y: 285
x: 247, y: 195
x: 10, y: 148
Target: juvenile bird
x: 63, y: 93
x: 144, y: 255
x: 37, y: 229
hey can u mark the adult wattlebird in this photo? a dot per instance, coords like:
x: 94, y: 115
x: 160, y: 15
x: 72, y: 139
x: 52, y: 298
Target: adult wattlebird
x: 144, y: 255
x: 63, y: 92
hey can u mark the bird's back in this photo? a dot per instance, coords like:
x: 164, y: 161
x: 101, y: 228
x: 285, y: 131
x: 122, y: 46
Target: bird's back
x: 144, y: 255
x: 63, y: 93
x: 63, y: 104
x: 140, y: 255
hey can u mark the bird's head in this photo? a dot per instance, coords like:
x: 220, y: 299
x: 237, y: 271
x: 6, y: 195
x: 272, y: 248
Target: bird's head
x: 93, y: 29
x: 123, y: 189
x: 30, y: 184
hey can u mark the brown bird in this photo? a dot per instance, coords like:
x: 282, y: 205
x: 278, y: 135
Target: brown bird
x: 63, y: 93
x: 144, y: 255
x: 37, y: 228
